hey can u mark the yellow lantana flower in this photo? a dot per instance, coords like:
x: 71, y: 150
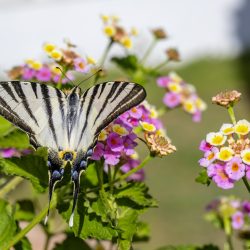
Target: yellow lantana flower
x: 119, y: 129
x: 242, y: 127
x: 225, y: 154
x: 245, y: 155
x: 109, y: 31
x: 48, y: 47
x: 56, y: 54
x: 148, y: 126
x: 216, y: 139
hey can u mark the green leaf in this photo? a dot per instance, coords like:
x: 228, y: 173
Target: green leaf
x: 90, y: 178
x: 72, y: 242
x: 129, y: 62
x: 203, y: 178
x: 5, y: 126
x: 86, y: 225
x: 24, y: 210
x: 7, y: 223
x: 137, y: 192
x: 142, y: 232
x: 32, y: 167
x: 15, y: 139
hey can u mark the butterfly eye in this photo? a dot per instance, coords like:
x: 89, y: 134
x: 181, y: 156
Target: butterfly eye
x: 83, y: 164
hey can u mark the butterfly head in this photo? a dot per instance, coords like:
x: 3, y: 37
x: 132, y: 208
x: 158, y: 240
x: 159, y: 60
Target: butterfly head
x: 67, y: 156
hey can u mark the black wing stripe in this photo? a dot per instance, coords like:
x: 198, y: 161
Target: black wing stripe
x: 123, y: 86
x: 45, y: 93
x: 34, y: 88
x: 20, y: 93
x: 102, y: 89
x: 61, y: 103
x: 9, y: 91
x: 93, y: 95
x: 134, y: 97
x: 113, y: 89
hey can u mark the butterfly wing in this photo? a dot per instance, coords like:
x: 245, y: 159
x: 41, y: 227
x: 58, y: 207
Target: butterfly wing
x: 99, y: 106
x: 37, y: 109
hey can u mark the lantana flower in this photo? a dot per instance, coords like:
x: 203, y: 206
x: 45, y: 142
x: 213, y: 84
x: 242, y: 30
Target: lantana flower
x: 181, y: 94
x: 227, y: 154
x: 117, y: 33
x: 117, y: 143
x: 66, y: 59
x: 229, y: 209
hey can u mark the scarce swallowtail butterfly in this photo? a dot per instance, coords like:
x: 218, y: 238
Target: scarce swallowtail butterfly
x: 67, y: 124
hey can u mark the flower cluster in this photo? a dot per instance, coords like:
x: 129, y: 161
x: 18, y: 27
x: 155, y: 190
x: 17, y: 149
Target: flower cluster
x: 116, y: 143
x: 65, y: 59
x: 180, y: 93
x: 229, y: 208
x: 227, y: 154
x: 116, y: 33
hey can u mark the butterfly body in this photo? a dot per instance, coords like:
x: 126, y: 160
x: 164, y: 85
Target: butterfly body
x: 68, y: 124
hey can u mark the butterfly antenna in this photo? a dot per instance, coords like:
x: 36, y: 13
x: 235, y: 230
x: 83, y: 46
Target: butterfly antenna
x: 64, y: 75
x: 97, y: 72
x: 75, y: 196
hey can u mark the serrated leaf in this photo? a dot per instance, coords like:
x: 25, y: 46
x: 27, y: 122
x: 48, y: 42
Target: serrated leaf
x: 203, y: 178
x: 136, y: 192
x: 15, y: 139
x: 7, y: 223
x: 87, y: 225
x: 72, y: 242
x: 32, y: 167
x: 129, y: 62
x: 90, y: 178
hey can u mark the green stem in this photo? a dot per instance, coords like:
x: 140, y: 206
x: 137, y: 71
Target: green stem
x: 46, y: 246
x: 134, y: 170
x: 149, y: 50
x: 246, y: 183
x: 230, y: 110
x: 10, y: 185
x: 159, y: 66
x: 32, y: 224
x: 229, y: 243
x: 111, y: 184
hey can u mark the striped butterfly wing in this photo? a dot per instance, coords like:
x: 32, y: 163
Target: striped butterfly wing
x: 99, y: 106
x: 37, y: 109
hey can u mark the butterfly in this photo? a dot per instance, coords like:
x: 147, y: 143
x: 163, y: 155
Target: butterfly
x: 68, y: 124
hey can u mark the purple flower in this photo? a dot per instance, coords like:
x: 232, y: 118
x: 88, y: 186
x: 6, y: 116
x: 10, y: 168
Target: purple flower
x: 43, y: 74
x: 197, y: 116
x: 115, y: 142
x: 130, y: 164
x: 81, y: 65
x: 135, y: 112
x: 237, y: 220
x: 235, y: 169
x: 163, y: 81
x: 28, y: 73
x: 111, y: 157
x: 209, y: 157
x: 219, y: 176
x: 246, y: 207
x: 8, y: 152
x: 204, y: 146
x: 98, y: 151
x: 248, y: 172
x: 171, y: 99
x: 130, y: 144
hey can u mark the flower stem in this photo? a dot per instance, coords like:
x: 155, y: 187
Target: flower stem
x: 10, y: 185
x: 105, y: 53
x: 230, y: 110
x: 32, y: 224
x: 159, y: 66
x: 229, y: 243
x: 149, y: 50
x: 134, y: 170
x: 246, y: 183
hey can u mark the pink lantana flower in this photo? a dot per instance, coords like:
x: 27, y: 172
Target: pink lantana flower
x: 44, y: 74
x: 238, y: 220
x: 115, y: 142
x: 172, y: 100
x: 235, y: 169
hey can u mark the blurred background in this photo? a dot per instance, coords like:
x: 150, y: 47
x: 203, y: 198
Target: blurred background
x: 213, y: 38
